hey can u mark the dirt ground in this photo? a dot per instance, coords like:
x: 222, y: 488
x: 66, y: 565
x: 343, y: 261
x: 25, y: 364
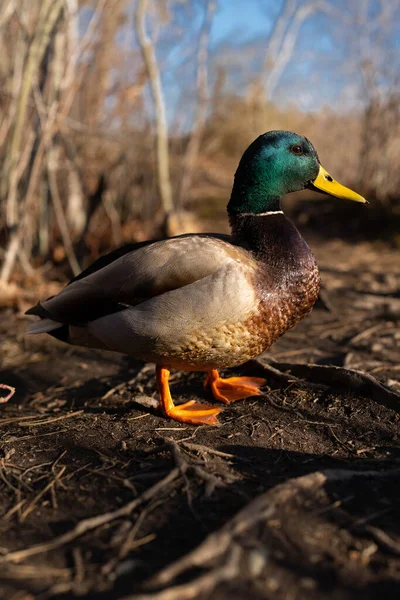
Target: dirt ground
x: 295, y: 495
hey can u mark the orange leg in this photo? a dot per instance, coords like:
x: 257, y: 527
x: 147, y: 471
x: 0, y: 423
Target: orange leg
x: 190, y: 412
x: 233, y: 388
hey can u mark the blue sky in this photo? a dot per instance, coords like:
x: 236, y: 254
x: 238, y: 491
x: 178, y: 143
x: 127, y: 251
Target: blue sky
x: 324, y: 69
x: 310, y: 77
x: 238, y: 39
x: 325, y: 66
x: 241, y: 19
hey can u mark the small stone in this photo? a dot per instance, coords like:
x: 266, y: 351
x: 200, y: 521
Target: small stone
x: 257, y: 562
x: 307, y: 583
x: 273, y: 585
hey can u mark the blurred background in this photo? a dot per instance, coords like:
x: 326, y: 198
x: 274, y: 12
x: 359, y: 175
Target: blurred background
x: 122, y: 120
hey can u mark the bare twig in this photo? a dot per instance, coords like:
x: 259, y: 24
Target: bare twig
x: 51, y: 420
x: 208, y: 450
x: 11, y: 392
x: 210, y: 480
x: 59, y: 212
x: 383, y: 540
x: 42, y: 493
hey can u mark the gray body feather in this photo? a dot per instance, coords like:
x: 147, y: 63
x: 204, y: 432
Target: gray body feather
x: 170, y: 302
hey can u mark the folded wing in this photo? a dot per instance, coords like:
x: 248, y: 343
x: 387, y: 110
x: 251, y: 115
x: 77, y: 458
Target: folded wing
x: 141, y: 273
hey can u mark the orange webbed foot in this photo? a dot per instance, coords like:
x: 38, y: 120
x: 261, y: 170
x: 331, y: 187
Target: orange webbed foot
x: 233, y: 388
x: 195, y: 413
x: 190, y: 412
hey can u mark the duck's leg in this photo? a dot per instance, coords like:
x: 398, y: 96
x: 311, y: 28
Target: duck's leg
x: 233, y: 388
x: 190, y: 412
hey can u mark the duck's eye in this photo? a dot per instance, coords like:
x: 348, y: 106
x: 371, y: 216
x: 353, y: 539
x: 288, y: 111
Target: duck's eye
x: 297, y: 149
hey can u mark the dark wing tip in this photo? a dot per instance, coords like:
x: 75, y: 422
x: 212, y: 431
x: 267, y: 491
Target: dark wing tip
x: 37, y: 310
x: 32, y: 310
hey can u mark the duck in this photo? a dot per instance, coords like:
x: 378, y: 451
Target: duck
x: 205, y: 301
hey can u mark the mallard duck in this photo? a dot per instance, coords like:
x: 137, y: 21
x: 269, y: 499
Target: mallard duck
x: 205, y: 302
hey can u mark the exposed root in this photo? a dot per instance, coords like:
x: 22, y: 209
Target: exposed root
x: 350, y: 380
x: 233, y: 553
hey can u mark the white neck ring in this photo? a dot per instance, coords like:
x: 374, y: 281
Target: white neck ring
x: 264, y: 214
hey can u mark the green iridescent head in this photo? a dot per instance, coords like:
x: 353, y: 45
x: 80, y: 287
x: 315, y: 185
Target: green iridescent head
x: 275, y: 164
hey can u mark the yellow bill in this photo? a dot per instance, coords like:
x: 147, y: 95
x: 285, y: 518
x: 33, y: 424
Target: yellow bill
x: 327, y: 184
